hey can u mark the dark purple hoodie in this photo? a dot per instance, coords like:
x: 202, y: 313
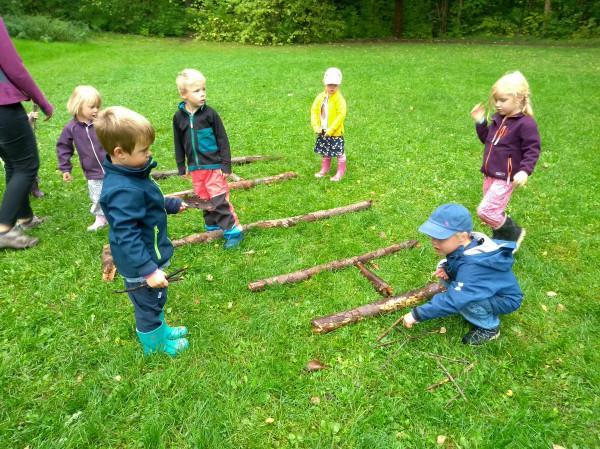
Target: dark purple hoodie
x: 512, y: 144
x: 81, y: 136
x: 16, y: 84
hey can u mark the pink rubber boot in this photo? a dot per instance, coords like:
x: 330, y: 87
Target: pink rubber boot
x: 341, y: 169
x: 325, y: 166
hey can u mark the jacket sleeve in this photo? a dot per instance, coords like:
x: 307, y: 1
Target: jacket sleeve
x: 65, y: 149
x: 123, y: 208
x: 339, y: 117
x: 315, y: 114
x: 15, y: 71
x: 482, y: 130
x: 179, y: 149
x: 172, y: 205
x: 530, y: 146
x: 222, y: 143
x: 465, y: 289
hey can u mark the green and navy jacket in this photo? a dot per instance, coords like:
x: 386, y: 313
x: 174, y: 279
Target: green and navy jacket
x: 137, y: 215
x: 201, y: 139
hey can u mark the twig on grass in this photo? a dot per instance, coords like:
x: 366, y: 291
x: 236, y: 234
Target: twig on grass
x: 449, y: 376
x: 445, y: 380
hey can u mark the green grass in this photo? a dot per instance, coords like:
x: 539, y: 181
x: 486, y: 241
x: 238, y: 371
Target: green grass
x: 71, y: 371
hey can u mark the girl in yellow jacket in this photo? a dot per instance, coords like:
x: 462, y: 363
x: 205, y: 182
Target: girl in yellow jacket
x: 327, y: 117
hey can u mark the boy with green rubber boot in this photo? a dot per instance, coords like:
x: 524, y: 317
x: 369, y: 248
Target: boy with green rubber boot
x: 136, y: 211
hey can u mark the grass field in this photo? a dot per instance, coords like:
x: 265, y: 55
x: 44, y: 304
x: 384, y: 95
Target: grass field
x: 72, y: 374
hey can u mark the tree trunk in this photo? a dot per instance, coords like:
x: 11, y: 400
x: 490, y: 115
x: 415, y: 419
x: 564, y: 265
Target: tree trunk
x: 245, y: 184
x: 302, y: 275
x: 381, y: 287
x: 109, y: 270
x: 547, y: 13
x: 324, y: 324
x: 399, y: 18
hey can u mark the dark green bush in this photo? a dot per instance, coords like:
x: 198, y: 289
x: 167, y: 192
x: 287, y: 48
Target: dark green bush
x: 47, y: 29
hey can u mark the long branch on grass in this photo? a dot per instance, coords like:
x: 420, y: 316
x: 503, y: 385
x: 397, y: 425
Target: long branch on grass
x: 109, y: 270
x: 161, y: 174
x: 324, y: 324
x: 302, y: 275
x: 381, y: 287
x: 241, y: 185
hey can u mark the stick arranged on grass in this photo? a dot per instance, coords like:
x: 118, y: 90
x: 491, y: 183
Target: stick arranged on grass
x: 109, y: 270
x: 302, y: 275
x: 328, y: 323
x: 161, y: 174
x: 449, y: 376
x: 239, y: 185
x: 446, y: 379
x: 381, y: 287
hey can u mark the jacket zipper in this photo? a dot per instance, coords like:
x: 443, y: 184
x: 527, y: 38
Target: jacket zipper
x: 497, y: 135
x: 192, y: 136
x: 509, y: 169
x: 87, y: 131
x: 156, y: 242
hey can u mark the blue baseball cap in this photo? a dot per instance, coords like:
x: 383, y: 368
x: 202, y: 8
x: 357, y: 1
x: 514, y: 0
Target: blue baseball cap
x: 446, y: 221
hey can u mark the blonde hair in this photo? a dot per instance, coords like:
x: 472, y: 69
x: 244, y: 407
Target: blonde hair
x: 515, y: 84
x: 118, y: 126
x: 188, y: 77
x: 83, y: 95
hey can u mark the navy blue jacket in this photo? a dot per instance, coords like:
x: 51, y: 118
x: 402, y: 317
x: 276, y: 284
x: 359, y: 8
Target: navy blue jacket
x: 481, y: 271
x: 137, y: 215
x: 201, y: 139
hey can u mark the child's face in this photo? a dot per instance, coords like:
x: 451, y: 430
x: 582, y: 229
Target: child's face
x: 449, y: 245
x: 138, y: 158
x: 507, y: 104
x: 195, y: 94
x: 331, y: 88
x: 88, y: 112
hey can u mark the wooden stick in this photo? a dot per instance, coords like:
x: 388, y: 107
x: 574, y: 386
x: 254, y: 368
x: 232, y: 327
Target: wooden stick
x: 302, y: 275
x: 162, y: 174
x: 449, y: 376
x: 204, y: 237
x: 381, y: 287
x: 245, y: 184
x: 325, y: 324
x: 445, y: 380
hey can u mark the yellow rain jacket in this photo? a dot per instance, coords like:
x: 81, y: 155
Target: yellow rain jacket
x: 336, y: 114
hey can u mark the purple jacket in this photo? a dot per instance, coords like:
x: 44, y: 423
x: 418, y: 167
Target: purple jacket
x: 512, y: 144
x: 81, y: 136
x: 16, y: 84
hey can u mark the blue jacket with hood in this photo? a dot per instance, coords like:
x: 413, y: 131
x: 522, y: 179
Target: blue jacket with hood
x: 481, y: 271
x: 137, y: 215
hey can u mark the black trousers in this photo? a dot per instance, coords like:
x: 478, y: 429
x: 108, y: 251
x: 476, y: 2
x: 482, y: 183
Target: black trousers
x: 148, y: 303
x: 18, y: 150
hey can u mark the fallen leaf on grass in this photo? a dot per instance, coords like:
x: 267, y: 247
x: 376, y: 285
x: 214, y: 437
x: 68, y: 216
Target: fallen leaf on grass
x: 551, y: 294
x: 441, y: 439
x: 209, y: 277
x: 230, y: 305
x: 269, y: 420
x: 315, y: 400
x: 544, y: 307
x: 382, y: 235
x: 509, y: 393
x: 442, y: 330
x: 315, y: 365
x: 117, y: 378
x: 556, y: 446
x: 560, y: 307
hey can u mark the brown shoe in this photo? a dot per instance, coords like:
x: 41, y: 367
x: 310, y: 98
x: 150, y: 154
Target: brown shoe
x: 33, y: 222
x: 17, y: 240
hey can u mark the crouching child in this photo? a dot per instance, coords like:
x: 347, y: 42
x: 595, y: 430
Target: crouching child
x: 136, y: 212
x: 477, y: 273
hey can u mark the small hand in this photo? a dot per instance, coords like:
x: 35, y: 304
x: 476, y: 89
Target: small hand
x: 478, y: 112
x: 441, y: 273
x: 520, y: 179
x: 49, y: 114
x: 67, y: 177
x: 157, y: 279
x: 183, y: 206
x: 408, y: 320
x: 33, y: 116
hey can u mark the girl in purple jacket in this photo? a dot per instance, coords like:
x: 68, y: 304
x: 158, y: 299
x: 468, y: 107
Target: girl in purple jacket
x: 79, y: 134
x: 512, y: 148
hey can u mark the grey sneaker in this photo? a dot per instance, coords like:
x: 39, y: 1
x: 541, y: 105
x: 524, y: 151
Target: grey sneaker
x: 479, y: 335
x: 33, y: 222
x: 17, y: 240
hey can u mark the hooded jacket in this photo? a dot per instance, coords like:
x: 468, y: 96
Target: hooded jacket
x: 336, y: 113
x: 137, y: 215
x: 16, y: 84
x: 81, y: 136
x: 201, y: 139
x: 512, y: 144
x: 481, y: 271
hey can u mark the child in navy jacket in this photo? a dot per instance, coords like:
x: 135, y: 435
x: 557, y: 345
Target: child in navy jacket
x: 137, y: 216
x: 477, y: 273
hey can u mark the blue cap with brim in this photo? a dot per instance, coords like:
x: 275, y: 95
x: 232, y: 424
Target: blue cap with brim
x: 446, y: 221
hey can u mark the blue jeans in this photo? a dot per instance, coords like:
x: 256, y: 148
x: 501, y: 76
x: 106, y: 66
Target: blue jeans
x: 148, y: 304
x: 481, y: 314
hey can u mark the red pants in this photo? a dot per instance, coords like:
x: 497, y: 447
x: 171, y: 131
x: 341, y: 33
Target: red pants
x: 211, y: 185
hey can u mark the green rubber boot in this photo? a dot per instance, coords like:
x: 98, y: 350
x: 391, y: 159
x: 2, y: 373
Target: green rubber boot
x: 156, y: 341
x: 173, y: 333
